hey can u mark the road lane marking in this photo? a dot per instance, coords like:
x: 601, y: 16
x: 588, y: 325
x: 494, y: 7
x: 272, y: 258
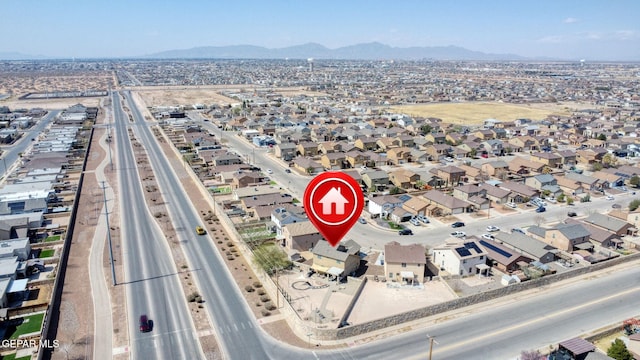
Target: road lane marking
x: 235, y: 326
x: 243, y: 328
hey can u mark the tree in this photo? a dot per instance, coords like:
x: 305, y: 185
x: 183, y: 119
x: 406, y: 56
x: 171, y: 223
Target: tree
x: 531, y: 355
x: 585, y: 198
x: 569, y: 200
x: 426, y: 129
x: 269, y: 258
x: 473, y: 152
x: 609, y: 160
x: 634, y: 204
x: 602, y: 137
x: 562, y: 197
x: 634, y: 181
x: 596, y: 167
x: 618, y: 350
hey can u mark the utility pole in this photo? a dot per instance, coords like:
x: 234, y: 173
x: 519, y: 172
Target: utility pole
x: 106, y: 213
x: 431, y: 341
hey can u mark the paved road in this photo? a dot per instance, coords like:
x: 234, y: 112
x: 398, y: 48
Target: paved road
x: 12, y: 153
x: 151, y: 279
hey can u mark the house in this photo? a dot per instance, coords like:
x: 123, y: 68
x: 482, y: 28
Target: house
x: 590, y: 156
x: 495, y: 168
x: 366, y: 143
x: 461, y: 258
x: 416, y: 206
x: 375, y: 179
x: 519, y: 192
x: 285, y: 151
x: 241, y: 193
x: 495, y: 194
x: 405, y: 263
x: 465, y: 192
x: 399, y: 155
x: 435, y: 138
x: 568, y: 157
x: 539, y: 181
x: 227, y: 159
x: 18, y: 225
x: 383, y: 205
x: 357, y: 159
x: 333, y: 161
x: 505, y: 258
x: 528, y: 246
x: 599, y: 236
x: 437, y: 152
x: 569, y: 186
x: 607, y: 180
x: 522, y: 166
x: 451, y: 175
x: 285, y: 215
x: 307, y: 148
x: 307, y: 166
x: 244, y: 179
x: 300, y: 236
x: 442, y: 204
x: 336, y: 262
x: 610, y: 223
x: 404, y: 178
x: 19, y: 248
x: 548, y: 158
x: 566, y: 237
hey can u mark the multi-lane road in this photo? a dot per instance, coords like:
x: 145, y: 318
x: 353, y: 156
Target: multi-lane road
x: 497, y: 330
x: 151, y: 278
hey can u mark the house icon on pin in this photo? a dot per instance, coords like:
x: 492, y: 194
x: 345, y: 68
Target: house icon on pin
x: 333, y: 196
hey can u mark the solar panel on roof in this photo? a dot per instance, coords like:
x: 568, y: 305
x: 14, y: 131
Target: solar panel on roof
x: 463, y: 251
x: 472, y: 245
x: 496, y: 249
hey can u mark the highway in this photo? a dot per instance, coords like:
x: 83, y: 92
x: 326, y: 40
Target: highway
x: 151, y: 279
x: 496, y: 330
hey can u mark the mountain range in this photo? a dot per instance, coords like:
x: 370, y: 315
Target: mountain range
x: 367, y: 51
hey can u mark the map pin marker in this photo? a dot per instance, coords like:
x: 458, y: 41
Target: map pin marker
x: 333, y: 202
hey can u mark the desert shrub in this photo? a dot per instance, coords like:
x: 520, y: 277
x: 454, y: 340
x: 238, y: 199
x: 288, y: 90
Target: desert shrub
x: 249, y: 288
x: 264, y: 298
x: 265, y: 312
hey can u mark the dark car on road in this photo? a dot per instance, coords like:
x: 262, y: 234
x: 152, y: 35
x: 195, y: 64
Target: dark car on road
x: 145, y: 325
x: 457, y: 224
x: 405, y: 232
x: 572, y: 214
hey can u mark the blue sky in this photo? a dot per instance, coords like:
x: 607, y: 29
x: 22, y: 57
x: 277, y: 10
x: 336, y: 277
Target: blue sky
x: 592, y: 30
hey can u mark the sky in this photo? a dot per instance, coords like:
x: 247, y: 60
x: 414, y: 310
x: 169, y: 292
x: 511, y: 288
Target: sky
x: 562, y: 29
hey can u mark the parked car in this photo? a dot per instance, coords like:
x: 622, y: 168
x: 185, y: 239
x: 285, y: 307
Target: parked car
x: 458, y: 234
x: 288, y: 171
x: 144, y: 324
x: 609, y: 197
x: 415, y: 222
x: 457, y: 224
x: 488, y: 237
x: 492, y: 228
x: 518, y: 230
x: 362, y: 221
x: 572, y: 214
x: 423, y: 218
x: 269, y: 171
x: 512, y: 205
x: 405, y: 232
x: 541, y: 209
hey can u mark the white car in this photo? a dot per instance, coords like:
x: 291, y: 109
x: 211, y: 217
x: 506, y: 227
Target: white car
x: 415, y: 222
x: 609, y: 197
x: 492, y: 228
x: 458, y: 234
x: 488, y: 237
x: 512, y: 205
x: 269, y: 171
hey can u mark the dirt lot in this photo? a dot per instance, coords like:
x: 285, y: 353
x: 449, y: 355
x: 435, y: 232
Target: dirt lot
x: 476, y: 113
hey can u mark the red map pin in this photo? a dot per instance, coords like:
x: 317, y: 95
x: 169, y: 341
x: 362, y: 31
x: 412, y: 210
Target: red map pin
x: 333, y: 202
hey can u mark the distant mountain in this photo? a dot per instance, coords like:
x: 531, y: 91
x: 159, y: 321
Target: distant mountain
x: 368, y: 51
x: 18, y: 56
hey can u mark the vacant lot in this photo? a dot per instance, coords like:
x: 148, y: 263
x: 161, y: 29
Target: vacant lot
x: 476, y: 113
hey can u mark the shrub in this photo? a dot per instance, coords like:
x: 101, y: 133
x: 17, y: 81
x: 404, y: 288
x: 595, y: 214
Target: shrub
x: 257, y: 284
x: 269, y: 306
x: 249, y: 288
x: 261, y: 292
x: 264, y: 298
x: 230, y: 244
x: 265, y: 312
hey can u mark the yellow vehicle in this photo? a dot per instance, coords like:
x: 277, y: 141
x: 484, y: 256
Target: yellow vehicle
x: 200, y: 230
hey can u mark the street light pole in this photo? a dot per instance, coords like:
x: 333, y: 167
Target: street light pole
x: 309, y: 336
x: 431, y: 341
